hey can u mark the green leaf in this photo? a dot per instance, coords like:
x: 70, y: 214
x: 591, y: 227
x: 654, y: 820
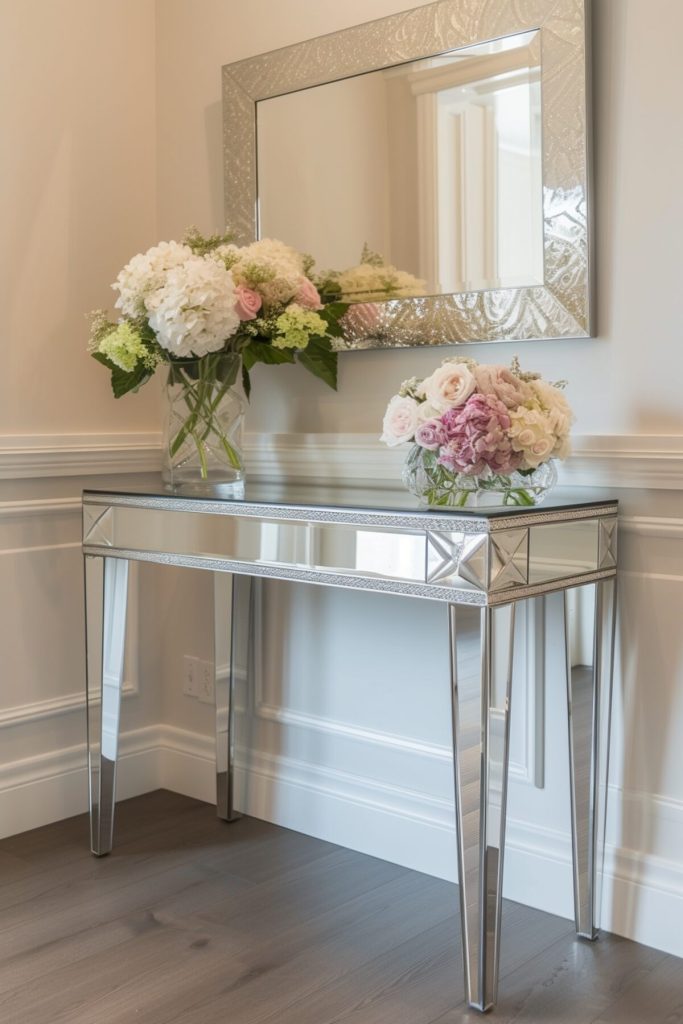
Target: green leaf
x: 261, y: 352
x: 332, y: 314
x: 123, y: 381
x: 320, y: 360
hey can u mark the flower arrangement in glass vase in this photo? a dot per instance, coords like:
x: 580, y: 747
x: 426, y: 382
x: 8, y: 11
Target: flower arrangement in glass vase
x: 209, y: 310
x: 481, y: 435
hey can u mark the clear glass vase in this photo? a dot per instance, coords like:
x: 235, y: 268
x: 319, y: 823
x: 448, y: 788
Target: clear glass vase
x: 203, y: 427
x: 438, y: 487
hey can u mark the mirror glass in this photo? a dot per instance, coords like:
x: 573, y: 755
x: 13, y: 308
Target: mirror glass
x: 430, y: 170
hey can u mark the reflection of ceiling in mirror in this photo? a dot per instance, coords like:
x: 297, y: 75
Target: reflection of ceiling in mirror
x: 435, y: 164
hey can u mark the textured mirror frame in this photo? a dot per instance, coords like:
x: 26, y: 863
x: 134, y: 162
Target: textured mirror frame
x: 560, y: 307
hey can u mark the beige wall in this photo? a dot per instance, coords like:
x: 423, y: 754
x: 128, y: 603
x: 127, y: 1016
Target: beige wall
x: 77, y: 199
x: 617, y: 382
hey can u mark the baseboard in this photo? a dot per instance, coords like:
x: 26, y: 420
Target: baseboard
x: 643, y: 894
x: 50, y: 787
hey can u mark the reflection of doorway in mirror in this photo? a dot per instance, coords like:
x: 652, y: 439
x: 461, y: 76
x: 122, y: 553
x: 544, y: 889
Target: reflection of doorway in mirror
x: 479, y: 169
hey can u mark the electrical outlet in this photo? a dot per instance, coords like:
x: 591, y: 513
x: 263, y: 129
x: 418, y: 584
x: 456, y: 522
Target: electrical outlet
x: 207, y: 693
x: 191, y: 676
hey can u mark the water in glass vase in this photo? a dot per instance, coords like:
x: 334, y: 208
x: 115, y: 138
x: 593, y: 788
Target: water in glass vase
x: 203, y: 427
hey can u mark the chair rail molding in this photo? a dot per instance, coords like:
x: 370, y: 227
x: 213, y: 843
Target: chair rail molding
x: 604, y: 460
x: 607, y: 460
x: 51, y: 455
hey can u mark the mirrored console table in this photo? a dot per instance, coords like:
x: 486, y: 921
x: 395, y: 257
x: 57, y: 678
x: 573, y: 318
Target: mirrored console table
x: 479, y: 564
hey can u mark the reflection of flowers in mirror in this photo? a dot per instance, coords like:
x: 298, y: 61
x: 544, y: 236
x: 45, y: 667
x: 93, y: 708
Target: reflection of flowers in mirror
x: 371, y: 280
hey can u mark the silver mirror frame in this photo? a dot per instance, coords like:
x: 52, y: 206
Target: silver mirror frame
x: 562, y: 306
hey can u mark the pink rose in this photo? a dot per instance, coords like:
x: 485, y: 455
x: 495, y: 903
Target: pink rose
x: 308, y: 295
x: 431, y: 435
x: 248, y: 302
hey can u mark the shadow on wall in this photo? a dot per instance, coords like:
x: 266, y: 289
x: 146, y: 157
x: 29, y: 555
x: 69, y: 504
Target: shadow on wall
x: 649, y: 657
x: 213, y: 122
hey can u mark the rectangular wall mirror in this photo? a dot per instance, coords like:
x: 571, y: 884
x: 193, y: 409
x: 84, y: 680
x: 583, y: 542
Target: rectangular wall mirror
x: 435, y: 164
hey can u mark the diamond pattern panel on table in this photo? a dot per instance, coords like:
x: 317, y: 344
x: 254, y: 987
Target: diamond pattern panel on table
x: 509, y: 559
x: 474, y: 561
x: 607, y: 544
x: 98, y: 526
x: 443, y: 555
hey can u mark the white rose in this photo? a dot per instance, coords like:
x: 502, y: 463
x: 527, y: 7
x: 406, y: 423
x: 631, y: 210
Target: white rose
x: 400, y: 421
x: 449, y: 386
x: 426, y: 411
x: 531, y: 433
x: 559, y: 413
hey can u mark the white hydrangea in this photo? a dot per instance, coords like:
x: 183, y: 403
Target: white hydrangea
x: 145, y: 273
x: 193, y: 313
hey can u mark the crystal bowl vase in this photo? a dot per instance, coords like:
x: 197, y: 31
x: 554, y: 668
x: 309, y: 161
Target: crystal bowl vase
x: 438, y: 487
x: 203, y: 427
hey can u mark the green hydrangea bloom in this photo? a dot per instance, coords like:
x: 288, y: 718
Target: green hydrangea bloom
x: 124, y: 347
x: 296, y: 326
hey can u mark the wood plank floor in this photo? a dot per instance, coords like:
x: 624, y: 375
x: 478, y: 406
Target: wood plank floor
x: 191, y: 921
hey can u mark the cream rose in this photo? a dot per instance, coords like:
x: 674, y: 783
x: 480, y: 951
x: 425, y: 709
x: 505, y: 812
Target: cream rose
x: 557, y: 409
x: 400, y: 421
x: 449, y: 386
x: 426, y: 411
x: 532, y: 435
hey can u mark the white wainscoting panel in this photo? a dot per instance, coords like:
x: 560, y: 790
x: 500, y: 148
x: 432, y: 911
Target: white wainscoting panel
x: 42, y: 688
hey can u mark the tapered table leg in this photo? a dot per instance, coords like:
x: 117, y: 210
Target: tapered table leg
x: 589, y: 622
x: 481, y: 671
x: 233, y: 601
x: 106, y: 593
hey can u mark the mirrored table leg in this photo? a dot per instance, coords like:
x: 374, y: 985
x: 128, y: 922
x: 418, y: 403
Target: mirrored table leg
x: 589, y: 629
x: 106, y: 595
x: 233, y: 616
x: 481, y: 672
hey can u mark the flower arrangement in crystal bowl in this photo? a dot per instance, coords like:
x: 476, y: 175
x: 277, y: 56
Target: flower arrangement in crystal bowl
x: 208, y: 309
x: 480, y: 435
